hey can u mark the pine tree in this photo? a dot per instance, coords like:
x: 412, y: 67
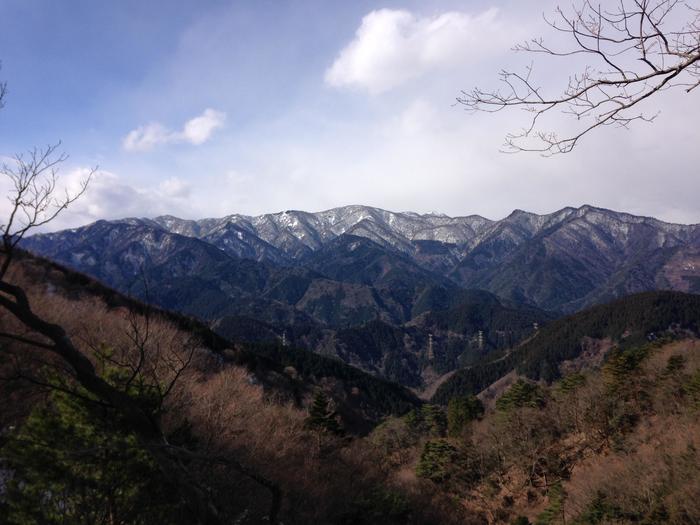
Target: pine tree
x: 437, y: 461
x: 521, y: 394
x: 555, y: 510
x: 460, y: 411
x: 72, y: 461
x: 321, y: 416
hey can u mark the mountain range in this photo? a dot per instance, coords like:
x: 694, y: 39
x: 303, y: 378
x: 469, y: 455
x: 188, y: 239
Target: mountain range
x: 617, y: 384
x: 370, y: 286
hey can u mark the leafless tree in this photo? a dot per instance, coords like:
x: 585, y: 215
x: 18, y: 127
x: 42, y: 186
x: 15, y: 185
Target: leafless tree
x: 637, y: 49
x: 35, y: 200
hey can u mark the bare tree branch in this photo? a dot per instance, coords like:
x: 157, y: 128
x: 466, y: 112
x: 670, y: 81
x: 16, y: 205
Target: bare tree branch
x: 34, y: 203
x: 638, y: 48
x: 26, y: 340
x: 33, y: 198
x: 3, y: 91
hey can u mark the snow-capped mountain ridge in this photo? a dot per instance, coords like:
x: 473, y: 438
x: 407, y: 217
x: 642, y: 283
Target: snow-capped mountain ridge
x: 296, y: 233
x: 559, y: 261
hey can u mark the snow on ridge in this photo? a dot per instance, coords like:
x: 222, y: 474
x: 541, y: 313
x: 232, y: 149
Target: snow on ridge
x: 294, y: 232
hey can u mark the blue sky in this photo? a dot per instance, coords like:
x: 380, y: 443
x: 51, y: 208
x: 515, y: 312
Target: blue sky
x: 208, y: 108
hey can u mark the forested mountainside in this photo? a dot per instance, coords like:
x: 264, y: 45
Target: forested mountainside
x: 372, y: 287
x: 255, y: 423
x: 563, y: 261
x: 275, y: 429
x: 195, y: 277
x: 434, y: 342
x: 581, y: 340
x: 284, y: 372
x: 351, y: 299
x: 614, y: 443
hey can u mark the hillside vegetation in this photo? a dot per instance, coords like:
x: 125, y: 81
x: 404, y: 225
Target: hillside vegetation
x: 273, y: 431
x: 68, y: 458
x: 627, y: 321
x: 617, y: 444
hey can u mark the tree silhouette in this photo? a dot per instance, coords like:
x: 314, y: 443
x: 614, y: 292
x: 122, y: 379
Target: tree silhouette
x: 36, y: 200
x: 637, y: 49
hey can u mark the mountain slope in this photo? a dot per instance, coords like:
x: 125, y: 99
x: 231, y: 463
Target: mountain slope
x: 585, y: 256
x: 342, y: 302
x: 563, y: 261
x: 355, y: 269
x: 297, y: 233
x: 568, y: 343
x: 244, y: 409
x: 616, y: 443
x: 193, y: 276
x: 374, y: 398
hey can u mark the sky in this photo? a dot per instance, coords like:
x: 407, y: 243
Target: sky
x: 208, y: 108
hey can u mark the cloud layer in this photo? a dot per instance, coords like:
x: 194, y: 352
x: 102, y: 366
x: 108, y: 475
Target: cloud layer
x: 392, y: 47
x: 196, y: 131
x: 350, y: 105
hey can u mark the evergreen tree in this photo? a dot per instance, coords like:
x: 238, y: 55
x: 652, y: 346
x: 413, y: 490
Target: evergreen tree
x: 74, y: 462
x: 321, y: 416
x: 437, y: 461
x: 571, y: 383
x: 428, y: 420
x: 433, y: 420
x: 460, y: 411
x: 555, y: 510
x: 521, y: 394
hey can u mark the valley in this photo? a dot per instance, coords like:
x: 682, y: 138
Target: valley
x: 523, y: 433
x: 179, y: 346
x: 372, y: 287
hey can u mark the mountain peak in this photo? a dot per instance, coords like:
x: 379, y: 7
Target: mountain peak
x: 558, y: 261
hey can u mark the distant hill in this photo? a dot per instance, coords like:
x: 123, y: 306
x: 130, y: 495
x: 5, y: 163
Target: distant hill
x: 577, y: 258
x: 626, y: 321
x: 366, y: 398
x: 370, y: 286
x: 341, y: 300
x: 401, y: 352
x: 192, y: 276
x: 563, y: 261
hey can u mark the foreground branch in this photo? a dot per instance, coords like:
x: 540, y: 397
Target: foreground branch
x: 641, y: 49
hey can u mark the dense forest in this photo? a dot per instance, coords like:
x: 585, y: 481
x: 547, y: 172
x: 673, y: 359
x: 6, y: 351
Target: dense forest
x: 281, y: 434
x: 354, y: 365
x: 614, y: 444
x: 627, y: 321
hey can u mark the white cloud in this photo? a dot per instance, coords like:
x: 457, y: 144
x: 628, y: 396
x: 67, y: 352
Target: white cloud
x: 392, y: 47
x: 195, y: 131
x: 176, y: 187
x: 419, y: 117
x: 110, y: 196
x: 147, y: 137
x: 199, y: 129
